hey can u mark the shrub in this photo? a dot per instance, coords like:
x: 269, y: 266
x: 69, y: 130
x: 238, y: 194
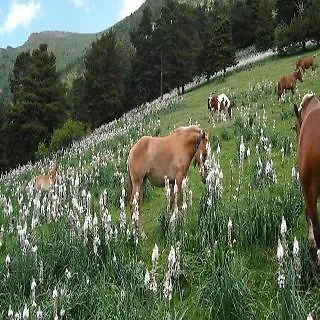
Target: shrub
x: 42, y: 151
x: 70, y: 131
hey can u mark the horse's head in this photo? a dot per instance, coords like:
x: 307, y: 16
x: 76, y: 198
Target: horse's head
x: 54, y: 174
x: 298, y: 123
x: 201, y: 154
x: 298, y: 75
x: 300, y: 111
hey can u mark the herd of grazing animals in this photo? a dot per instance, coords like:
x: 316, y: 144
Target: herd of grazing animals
x: 288, y: 82
x: 170, y: 156
x: 157, y: 158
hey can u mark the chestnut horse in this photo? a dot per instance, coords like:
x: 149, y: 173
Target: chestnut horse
x: 220, y: 103
x: 288, y: 82
x: 305, y: 63
x: 45, y: 182
x: 171, y: 155
x: 308, y: 133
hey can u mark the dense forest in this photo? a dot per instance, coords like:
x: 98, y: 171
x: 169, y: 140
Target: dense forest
x: 169, y: 50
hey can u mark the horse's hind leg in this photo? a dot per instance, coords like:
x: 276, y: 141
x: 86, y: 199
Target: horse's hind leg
x: 136, y: 196
x: 312, y: 218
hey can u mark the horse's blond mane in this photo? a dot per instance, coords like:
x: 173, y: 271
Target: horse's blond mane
x: 187, y: 128
x: 305, y: 100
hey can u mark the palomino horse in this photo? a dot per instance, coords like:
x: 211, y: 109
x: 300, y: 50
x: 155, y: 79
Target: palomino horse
x: 288, y: 82
x: 308, y: 133
x: 45, y: 182
x: 171, y: 155
x: 220, y: 103
x: 305, y: 63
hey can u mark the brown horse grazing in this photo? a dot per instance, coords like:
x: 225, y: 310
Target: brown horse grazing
x: 308, y: 133
x: 219, y: 103
x: 45, y: 182
x: 171, y: 155
x: 305, y: 63
x: 288, y: 82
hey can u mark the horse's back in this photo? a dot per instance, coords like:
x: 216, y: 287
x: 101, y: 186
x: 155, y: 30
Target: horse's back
x: 42, y: 183
x: 139, y: 150
x: 143, y: 152
x: 305, y: 62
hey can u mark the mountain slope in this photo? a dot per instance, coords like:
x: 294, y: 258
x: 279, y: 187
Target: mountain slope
x: 70, y: 48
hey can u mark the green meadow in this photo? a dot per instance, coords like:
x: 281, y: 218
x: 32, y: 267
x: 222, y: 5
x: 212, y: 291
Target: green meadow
x: 86, y: 264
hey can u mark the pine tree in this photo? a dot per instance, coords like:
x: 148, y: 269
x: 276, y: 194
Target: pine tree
x: 176, y: 44
x: 218, y: 49
x: 286, y: 9
x: 144, y: 73
x: 313, y: 17
x: 39, y: 104
x: 104, y: 81
x: 264, y: 34
x: 242, y: 34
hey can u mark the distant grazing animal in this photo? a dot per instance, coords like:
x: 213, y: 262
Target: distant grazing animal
x: 288, y: 82
x: 305, y: 63
x: 219, y: 103
x: 45, y: 182
x: 308, y: 133
x: 171, y: 155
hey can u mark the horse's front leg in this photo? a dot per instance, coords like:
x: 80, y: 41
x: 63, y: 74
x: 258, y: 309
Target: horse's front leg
x: 179, y: 178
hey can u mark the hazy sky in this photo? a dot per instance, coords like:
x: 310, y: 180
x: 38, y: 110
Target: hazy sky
x: 19, y: 18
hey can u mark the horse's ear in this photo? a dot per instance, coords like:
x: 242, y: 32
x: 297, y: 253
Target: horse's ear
x: 296, y: 111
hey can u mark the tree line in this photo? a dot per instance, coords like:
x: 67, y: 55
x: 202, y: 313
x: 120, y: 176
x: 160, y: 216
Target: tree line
x: 170, y: 49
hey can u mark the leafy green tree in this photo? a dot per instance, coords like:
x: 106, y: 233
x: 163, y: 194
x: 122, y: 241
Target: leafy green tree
x: 104, y: 81
x: 70, y: 131
x: 264, y: 34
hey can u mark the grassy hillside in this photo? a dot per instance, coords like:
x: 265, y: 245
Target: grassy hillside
x: 66, y: 240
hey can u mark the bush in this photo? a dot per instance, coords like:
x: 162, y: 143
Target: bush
x: 42, y: 151
x: 70, y: 131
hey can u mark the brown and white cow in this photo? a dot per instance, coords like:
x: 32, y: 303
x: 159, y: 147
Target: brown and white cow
x: 219, y: 103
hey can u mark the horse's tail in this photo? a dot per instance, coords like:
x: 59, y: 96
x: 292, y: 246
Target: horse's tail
x: 278, y: 89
